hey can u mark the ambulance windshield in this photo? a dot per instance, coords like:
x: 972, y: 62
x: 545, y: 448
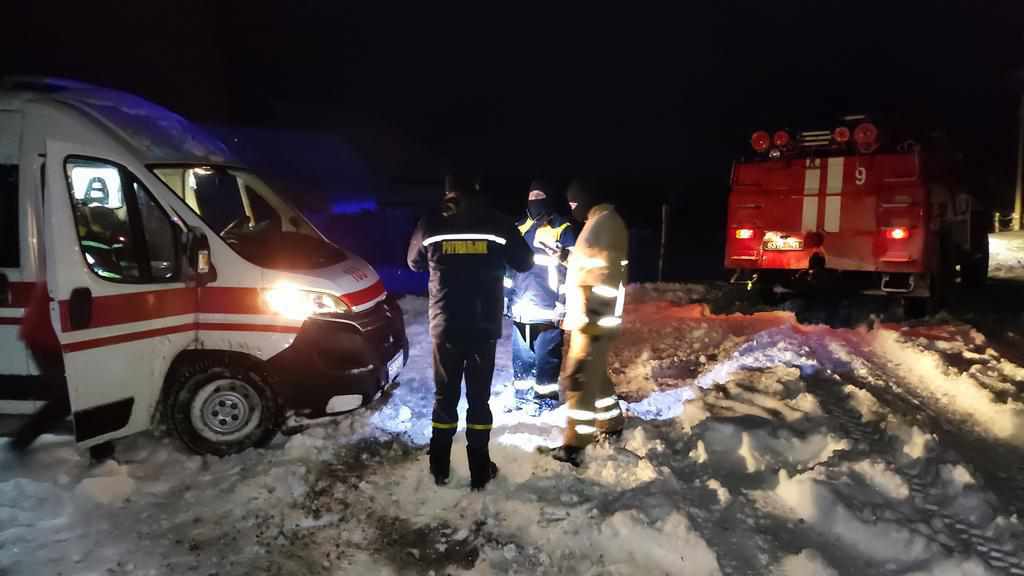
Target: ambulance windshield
x: 250, y: 217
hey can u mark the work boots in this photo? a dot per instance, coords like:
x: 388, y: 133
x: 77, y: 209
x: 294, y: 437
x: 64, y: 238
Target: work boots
x: 440, y: 459
x: 481, y: 469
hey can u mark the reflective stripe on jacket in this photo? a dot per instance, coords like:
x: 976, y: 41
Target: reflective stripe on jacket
x: 595, y: 283
x: 537, y: 296
x: 466, y: 246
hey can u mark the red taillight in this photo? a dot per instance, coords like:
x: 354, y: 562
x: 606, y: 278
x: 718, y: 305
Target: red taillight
x: 781, y: 138
x: 866, y: 137
x: 841, y: 135
x: 760, y: 140
x: 897, y: 233
x: 744, y: 233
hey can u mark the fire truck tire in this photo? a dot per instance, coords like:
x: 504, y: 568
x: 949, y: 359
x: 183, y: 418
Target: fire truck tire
x: 766, y: 294
x: 915, y: 308
x: 223, y: 405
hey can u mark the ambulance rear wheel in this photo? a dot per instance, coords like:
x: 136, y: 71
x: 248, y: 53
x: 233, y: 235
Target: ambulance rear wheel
x: 223, y: 406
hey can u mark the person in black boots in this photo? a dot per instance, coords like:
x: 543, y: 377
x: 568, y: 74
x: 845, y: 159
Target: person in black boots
x: 466, y: 246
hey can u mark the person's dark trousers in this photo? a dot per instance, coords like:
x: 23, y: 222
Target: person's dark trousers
x: 57, y: 407
x: 537, y: 358
x: 524, y: 364
x: 453, y: 359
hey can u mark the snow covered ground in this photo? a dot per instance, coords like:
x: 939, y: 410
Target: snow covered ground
x: 1006, y: 255
x: 755, y: 445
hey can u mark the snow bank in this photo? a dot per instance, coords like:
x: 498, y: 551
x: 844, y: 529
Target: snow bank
x: 633, y: 545
x: 814, y: 502
x: 1006, y: 255
x: 955, y: 393
x: 807, y: 563
x: 737, y: 395
x: 728, y: 445
x: 883, y: 478
x: 957, y: 567
x: 110, y: 485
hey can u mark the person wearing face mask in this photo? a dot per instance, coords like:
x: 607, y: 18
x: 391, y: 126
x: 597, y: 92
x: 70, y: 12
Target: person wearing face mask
x: 536, y: 300
x: 595, y: 293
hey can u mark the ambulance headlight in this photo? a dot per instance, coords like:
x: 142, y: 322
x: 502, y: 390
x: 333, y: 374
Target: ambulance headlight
x: 297, y: 304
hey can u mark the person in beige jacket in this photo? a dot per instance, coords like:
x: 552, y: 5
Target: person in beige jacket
x: 595, y: 293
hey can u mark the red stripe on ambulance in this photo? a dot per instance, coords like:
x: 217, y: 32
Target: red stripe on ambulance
x: 364, y: 296
x: 118, y: 309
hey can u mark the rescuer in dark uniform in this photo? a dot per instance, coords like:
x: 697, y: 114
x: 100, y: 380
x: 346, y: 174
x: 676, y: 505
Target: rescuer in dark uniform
x: 466, y: 246
x: 536, y: 299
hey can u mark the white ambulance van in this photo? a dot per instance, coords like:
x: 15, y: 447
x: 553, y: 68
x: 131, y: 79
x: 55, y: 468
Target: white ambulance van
x: 183, y: 289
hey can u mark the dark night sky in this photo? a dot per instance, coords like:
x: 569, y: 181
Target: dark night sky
x: 657, y: 101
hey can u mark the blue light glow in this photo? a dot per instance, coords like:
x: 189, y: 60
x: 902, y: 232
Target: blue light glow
x: 353, y: 206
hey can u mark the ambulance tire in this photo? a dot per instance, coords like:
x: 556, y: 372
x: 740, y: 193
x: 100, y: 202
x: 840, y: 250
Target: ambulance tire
x: 242, y: 386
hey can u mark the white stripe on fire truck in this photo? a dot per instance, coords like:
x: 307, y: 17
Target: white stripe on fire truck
x: 833, y: 209
x: 810, y: 217
x: 812, y: 184
x: 812, y: 181
x: 834, y: 190
x: 835, y: 176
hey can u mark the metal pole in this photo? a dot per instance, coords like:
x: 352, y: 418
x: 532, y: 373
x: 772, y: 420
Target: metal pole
x: 1015, y: 223
x: 664, y: 241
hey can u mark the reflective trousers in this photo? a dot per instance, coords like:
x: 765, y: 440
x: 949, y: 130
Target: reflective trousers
x: 590, y: 396
x: 537, y: 358
x: 452, y: 361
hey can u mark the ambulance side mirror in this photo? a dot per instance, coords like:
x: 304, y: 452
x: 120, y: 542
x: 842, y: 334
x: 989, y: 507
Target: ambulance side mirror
x: 198, y: 251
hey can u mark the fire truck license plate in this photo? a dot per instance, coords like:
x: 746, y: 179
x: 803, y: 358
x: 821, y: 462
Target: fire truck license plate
x: 779, y: 241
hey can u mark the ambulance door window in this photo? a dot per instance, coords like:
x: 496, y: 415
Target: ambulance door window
x: 161, y: 242
x: 10, y: 256
x: 124, y: 234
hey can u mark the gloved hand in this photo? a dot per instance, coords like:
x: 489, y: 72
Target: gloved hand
x: 556, y: 250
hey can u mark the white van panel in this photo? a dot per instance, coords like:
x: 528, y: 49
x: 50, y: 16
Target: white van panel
x: 13, y: 355
x: 10, y: 136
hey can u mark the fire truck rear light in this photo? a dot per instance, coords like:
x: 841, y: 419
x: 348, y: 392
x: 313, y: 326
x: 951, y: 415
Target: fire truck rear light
x: 781, y: 138
x: 897, y: 233
x: 841, y: 135
x: 744, y: 233
x: 760, y: 140
x: 866, y: 136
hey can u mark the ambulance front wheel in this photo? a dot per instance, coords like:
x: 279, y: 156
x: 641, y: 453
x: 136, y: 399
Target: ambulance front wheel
x: 223, y: 406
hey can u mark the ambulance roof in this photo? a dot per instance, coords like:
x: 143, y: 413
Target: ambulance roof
x: 157, y: 134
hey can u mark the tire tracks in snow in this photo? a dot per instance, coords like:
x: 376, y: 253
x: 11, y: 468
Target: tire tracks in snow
x: 1000, y: 466
x: 945, y: 530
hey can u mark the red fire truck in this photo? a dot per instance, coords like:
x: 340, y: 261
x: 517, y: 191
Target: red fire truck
x: 854, y: 209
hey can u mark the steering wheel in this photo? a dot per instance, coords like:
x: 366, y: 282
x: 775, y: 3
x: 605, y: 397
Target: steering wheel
x: 235, y: 224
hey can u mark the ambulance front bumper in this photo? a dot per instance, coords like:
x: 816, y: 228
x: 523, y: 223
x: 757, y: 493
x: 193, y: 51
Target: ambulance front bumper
x: 338, y: 363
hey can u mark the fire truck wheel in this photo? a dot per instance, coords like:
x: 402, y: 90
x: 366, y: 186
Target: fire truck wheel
x: 222, y: 406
